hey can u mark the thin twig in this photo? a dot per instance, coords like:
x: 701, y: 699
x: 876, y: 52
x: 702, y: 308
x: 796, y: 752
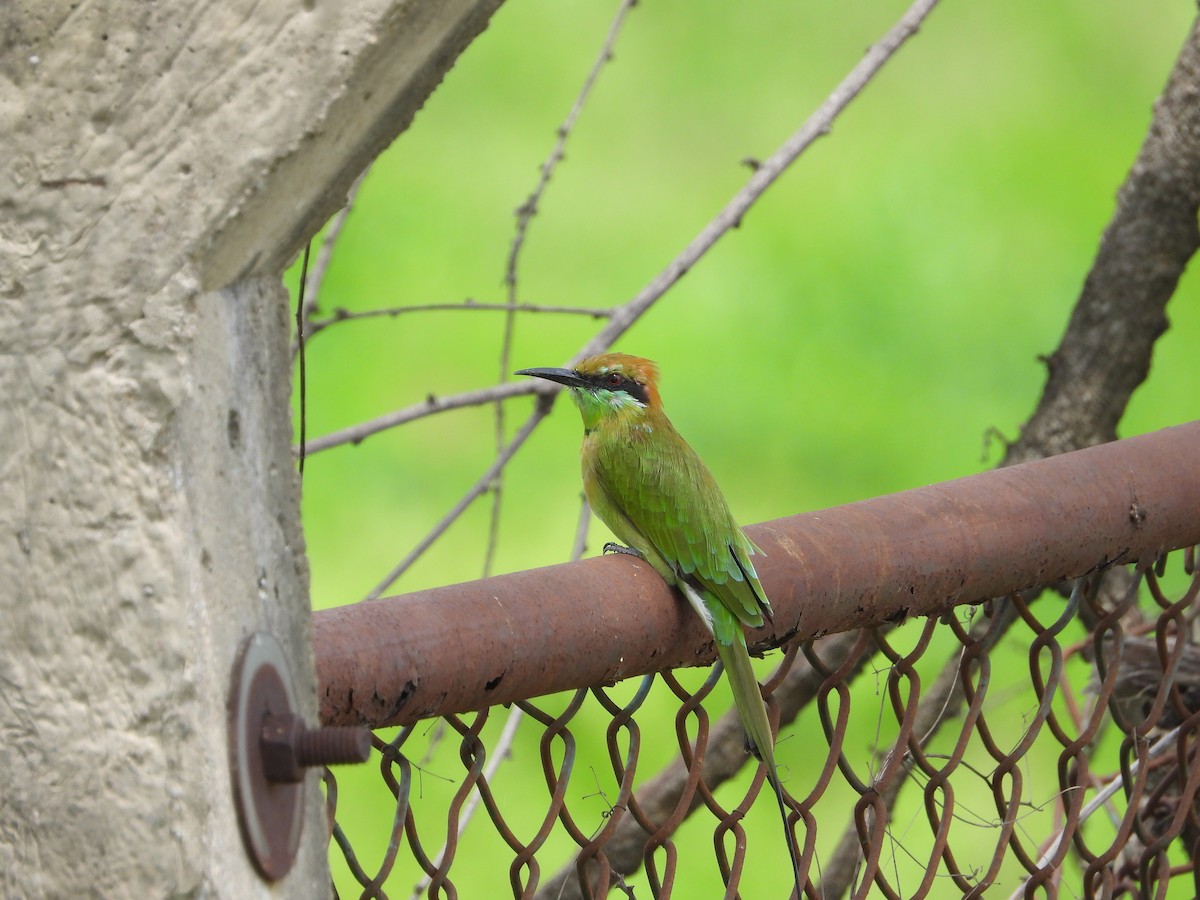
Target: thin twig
x: 579, y: 546
x: 527, y: 210
x: 1160, y: 746
x: 500, y: 753
x: 316, y: 326
x: 431, y: 404
x: 539, y: 412
x: 818, y: 124
x: 324, y: 257
x: 525, y: 214
x: 496, y: 488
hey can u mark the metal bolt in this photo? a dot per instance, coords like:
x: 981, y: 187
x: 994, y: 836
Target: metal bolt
x: 289, y: 747
x: 270, y: 749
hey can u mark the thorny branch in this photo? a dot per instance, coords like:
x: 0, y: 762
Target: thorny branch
x: 539, y: 412
x: 527, y: 210
x: 430, y: 405
x: 623, y: 317
x: 525, y: 213
x: 316, y: 326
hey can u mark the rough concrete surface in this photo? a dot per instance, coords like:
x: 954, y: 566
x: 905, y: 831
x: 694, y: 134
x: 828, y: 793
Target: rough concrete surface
x: 159, y: 164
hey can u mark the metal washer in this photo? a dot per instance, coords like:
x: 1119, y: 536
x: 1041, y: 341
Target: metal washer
x: 270, y: 815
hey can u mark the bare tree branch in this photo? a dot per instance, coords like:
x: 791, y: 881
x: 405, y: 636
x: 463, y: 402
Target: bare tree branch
x: 430, y: 405
x: 525, y: 214
x: 527, y: 210
x: 1105, y: 352
x: 344, y: 315
x: 539, y: 412
x: 818, y: 124
x: 623, y: 317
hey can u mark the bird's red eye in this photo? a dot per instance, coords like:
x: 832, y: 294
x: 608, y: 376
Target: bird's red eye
x: 614, y: 378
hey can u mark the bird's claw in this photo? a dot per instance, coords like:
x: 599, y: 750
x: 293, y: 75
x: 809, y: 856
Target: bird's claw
x: 614, y: 547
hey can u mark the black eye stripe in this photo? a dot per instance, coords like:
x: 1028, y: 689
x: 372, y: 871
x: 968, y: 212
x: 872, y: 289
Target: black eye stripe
x: 634, y: 389
x: 637, y: 392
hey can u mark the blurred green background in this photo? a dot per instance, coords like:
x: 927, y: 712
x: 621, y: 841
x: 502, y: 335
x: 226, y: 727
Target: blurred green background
x: 879, y: 311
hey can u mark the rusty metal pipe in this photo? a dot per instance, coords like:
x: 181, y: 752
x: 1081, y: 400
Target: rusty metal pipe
x: 466, y: 646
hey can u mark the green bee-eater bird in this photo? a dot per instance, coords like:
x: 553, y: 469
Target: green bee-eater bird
x: 654, y: 493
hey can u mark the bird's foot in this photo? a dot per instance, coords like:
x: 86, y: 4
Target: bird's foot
x: 614, y: 547
x: 751, y: 748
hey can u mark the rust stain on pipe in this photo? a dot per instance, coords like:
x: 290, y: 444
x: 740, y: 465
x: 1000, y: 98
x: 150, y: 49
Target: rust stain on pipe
x: 466, y: 646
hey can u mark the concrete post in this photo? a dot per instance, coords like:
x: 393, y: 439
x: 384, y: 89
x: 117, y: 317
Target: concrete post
x: 159, y: 165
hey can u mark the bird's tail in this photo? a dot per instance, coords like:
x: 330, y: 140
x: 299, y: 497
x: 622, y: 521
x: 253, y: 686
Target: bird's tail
x: 748, y: 697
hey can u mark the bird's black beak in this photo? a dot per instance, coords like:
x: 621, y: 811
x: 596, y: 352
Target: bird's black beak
x: 562, y: 376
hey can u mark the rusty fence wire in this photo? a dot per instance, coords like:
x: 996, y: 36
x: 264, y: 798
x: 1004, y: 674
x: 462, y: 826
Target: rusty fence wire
x: 1072, y: 775
x: 1041, y: 744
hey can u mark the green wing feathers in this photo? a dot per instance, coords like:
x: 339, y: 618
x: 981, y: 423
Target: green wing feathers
x: 657, y: 494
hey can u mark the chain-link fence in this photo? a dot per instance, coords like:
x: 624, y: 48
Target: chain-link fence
x: 1040, y: 744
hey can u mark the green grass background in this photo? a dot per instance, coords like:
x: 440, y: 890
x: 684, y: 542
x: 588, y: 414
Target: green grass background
x: 879, y: 311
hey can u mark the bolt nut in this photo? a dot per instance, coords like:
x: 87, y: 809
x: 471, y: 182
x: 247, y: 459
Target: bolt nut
x: 289, y: 747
